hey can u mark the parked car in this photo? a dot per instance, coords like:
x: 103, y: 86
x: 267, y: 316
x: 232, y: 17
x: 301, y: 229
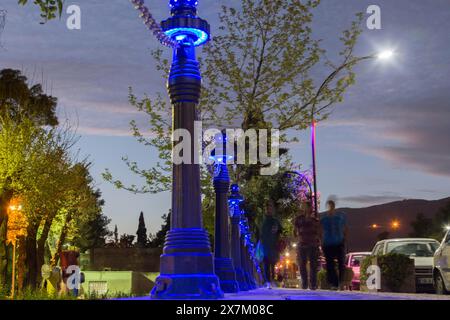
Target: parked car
x: 441, y: 266
x: 353, y: 260
x: 420, y: 250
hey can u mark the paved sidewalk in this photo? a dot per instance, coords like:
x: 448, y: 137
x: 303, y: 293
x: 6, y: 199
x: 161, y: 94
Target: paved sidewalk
x: 296, y: 294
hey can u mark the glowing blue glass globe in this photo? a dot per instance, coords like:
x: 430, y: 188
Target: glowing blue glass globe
x: 184, y: 26
x: 179, y: 34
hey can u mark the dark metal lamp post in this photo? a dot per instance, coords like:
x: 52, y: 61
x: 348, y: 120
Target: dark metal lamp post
x: 223, y: 263
x: 187, y: 270
x: 247, y: 262
x: 234, y: 201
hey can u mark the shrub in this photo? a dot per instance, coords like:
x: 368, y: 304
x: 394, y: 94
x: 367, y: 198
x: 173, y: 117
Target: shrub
x: 395, y: 269
x: 322, y: 280
x: 365, y: 264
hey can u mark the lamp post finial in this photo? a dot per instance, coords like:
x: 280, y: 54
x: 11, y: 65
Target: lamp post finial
x: 183, y: 6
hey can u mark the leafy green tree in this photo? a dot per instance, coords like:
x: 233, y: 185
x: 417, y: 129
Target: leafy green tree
x: 37, y: 167
x: 93, y: 233
x: 84, y: 224
x: 126, y: 241
x: 33, y: 166
x: 432, y: 227
x: 20, y: 100
x: 5, y: 197
x: 422, y: 226
x: 442, y: 220
x: 56, y: 193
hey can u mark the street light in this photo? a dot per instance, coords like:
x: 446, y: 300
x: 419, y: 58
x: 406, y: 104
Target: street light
x: 15, y: 207
x: 16, y: 228
x: 395, y: 224
x: 386, y: 54
x: 374, y: 226
x: 382, y: 55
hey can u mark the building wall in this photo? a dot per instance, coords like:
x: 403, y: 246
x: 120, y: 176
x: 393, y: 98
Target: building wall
x: 123, y: 259
x: 117, y: 283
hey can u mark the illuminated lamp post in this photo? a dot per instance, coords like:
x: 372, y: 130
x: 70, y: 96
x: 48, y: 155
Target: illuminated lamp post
x: 16, y: 228
x: 234, y: 200
x: 186, y: 266
x: 251, y: 270
x: 223, y: 264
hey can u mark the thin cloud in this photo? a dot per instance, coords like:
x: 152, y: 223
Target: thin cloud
x: 105, y: 132
x: 371, y: 199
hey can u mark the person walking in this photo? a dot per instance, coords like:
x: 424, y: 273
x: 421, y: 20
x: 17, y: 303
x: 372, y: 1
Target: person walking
x: 334, y: 231
x: 270, y: 236
x: 307, y: 230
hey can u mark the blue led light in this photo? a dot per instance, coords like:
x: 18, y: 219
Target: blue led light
x: 180, y: 3
x: 181, y: 37
x: 220, y: 158
x: 200, y: 35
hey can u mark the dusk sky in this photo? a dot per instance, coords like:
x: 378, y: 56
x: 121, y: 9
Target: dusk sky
x: 389, y: 139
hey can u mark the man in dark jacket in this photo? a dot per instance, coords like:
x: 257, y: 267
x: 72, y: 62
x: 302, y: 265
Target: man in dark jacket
x: 270, y: 236
x: 307, y: 230
x: 334, y: 230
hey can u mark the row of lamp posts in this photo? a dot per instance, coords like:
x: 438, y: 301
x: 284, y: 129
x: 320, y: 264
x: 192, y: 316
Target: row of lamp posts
x: 234, y: 262
x: 188, y: 270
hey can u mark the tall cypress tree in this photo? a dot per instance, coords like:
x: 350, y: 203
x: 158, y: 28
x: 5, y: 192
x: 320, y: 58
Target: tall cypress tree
x: 116, y: 236
x: 141, y: 232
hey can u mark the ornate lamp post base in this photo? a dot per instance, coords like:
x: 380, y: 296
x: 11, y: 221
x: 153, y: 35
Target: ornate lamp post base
x: 250, y: 283
x: 205, y: 287
x: 185, y: 251
x: 247, y: 268
x: 240, y: 278
x: 226, y: 273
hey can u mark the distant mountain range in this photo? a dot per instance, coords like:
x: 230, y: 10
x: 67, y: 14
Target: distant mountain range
x: 362, y: 237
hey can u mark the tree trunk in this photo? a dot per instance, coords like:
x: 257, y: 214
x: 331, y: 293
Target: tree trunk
x: 3, y: 253
x: 21, y: 264
x: 62, y: 239
x: 40, y: 251
x: 5, y: 198
x: 31, y: 257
